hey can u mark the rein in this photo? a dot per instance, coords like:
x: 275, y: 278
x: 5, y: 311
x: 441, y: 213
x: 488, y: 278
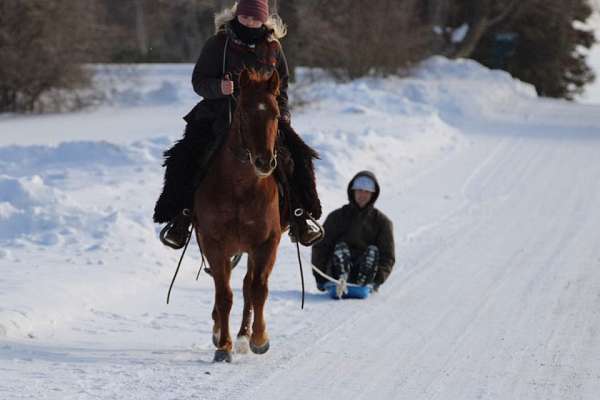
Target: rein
x: 301, y: 274
x: 287, y: 194
x: 241, y: 153
x: 187, y: 241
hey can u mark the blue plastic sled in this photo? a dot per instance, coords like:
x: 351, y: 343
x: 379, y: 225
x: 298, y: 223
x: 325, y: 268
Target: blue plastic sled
x: 354, y: 292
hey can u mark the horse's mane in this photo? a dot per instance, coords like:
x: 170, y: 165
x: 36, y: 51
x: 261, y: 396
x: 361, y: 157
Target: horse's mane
x: 258, y: 76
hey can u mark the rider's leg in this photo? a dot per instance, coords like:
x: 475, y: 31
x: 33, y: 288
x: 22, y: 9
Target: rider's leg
x: 184, y: 161
x: 305, y: 199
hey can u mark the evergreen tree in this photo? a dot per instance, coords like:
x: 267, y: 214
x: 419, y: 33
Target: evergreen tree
x: 550, y: 36
x: 537, y: 41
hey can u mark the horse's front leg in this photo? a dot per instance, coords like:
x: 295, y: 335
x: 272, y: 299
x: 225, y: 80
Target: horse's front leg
x: 221, y: 273
x: 242, y: 343
x: 263, y: 260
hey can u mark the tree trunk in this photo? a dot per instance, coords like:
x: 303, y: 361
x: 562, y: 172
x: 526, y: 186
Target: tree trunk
x: 468, y: 45
x: 438, y: 17
x: 140, y: 27
x: 480, y: 21
x: 289, y: 13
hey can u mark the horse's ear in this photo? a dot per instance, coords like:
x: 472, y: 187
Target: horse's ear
x: 273, y: 83
x: 244, y: 79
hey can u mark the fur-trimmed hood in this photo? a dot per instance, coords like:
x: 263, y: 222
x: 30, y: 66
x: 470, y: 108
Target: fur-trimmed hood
x: 274, y: 23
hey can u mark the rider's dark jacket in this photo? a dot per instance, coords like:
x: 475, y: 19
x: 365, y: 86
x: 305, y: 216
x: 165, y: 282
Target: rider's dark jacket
x: 211, y: 69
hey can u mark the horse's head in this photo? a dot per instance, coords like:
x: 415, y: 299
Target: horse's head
x: 257, y: 113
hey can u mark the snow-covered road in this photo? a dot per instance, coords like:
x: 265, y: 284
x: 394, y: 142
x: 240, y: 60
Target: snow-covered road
x: 495, y: 295
x: 500, y: 295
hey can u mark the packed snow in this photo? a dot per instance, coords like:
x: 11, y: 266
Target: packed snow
x: 493, y: 193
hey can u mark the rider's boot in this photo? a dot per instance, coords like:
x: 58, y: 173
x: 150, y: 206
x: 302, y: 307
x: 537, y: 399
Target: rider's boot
x: 305, y: 229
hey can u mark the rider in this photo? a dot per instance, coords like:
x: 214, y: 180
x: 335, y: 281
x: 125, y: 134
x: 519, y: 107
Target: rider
x: 359, y: 239
x: 246, y: 37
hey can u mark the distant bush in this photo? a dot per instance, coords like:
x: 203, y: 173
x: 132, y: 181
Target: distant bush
x: 42, y: 47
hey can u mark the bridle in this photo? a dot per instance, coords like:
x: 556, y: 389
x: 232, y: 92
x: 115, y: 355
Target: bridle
x: 242, y: 152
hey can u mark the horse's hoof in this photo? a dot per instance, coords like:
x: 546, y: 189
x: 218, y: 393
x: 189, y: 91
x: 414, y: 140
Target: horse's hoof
x: 222, y: 355
x: 259, y: 349
x: 242, y: 345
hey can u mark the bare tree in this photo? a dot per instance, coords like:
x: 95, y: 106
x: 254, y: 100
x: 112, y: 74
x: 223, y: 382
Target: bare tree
x: 140, y: 27
x: 160, y: 30
x: 354, y: 37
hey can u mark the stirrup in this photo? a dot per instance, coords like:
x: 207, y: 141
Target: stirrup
x: 163, y: 237
x: 167, y: 228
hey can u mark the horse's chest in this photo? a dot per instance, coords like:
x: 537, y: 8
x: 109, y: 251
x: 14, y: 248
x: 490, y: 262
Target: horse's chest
x: 247, y: 221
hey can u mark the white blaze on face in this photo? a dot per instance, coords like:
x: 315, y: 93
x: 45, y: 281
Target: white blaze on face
x: 262, y: 107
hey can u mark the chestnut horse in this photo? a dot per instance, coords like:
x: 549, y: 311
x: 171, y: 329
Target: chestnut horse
x: 237, y: 210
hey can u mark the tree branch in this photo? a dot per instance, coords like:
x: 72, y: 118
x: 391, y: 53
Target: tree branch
x: 508, y: 11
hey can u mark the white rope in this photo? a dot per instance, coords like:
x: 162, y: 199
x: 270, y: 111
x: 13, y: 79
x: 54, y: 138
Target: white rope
x: 341, y: 284
x: 342, y: 288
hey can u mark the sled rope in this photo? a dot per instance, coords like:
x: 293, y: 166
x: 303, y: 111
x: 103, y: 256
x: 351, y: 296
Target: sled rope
x: 339, y: 282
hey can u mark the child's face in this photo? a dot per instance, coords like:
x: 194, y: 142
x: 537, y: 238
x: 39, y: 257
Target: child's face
x: 362, y: 197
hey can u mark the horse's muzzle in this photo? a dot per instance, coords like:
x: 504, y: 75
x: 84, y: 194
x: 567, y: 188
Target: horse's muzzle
x: 265, y: 166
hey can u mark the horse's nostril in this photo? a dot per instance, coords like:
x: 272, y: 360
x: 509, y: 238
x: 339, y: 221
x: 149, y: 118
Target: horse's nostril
x: 260, y: 162
x: 265, y: 163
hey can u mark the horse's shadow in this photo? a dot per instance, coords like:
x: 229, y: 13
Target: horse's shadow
x: 289, y: 295
x: 89, y: 355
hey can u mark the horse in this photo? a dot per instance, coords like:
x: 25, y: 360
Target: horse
x: 237, y: 210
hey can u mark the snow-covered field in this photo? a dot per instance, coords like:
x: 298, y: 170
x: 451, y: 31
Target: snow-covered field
x: 496, y: 293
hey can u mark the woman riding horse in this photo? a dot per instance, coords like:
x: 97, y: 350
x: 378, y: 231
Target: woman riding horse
x: 246, y: 37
